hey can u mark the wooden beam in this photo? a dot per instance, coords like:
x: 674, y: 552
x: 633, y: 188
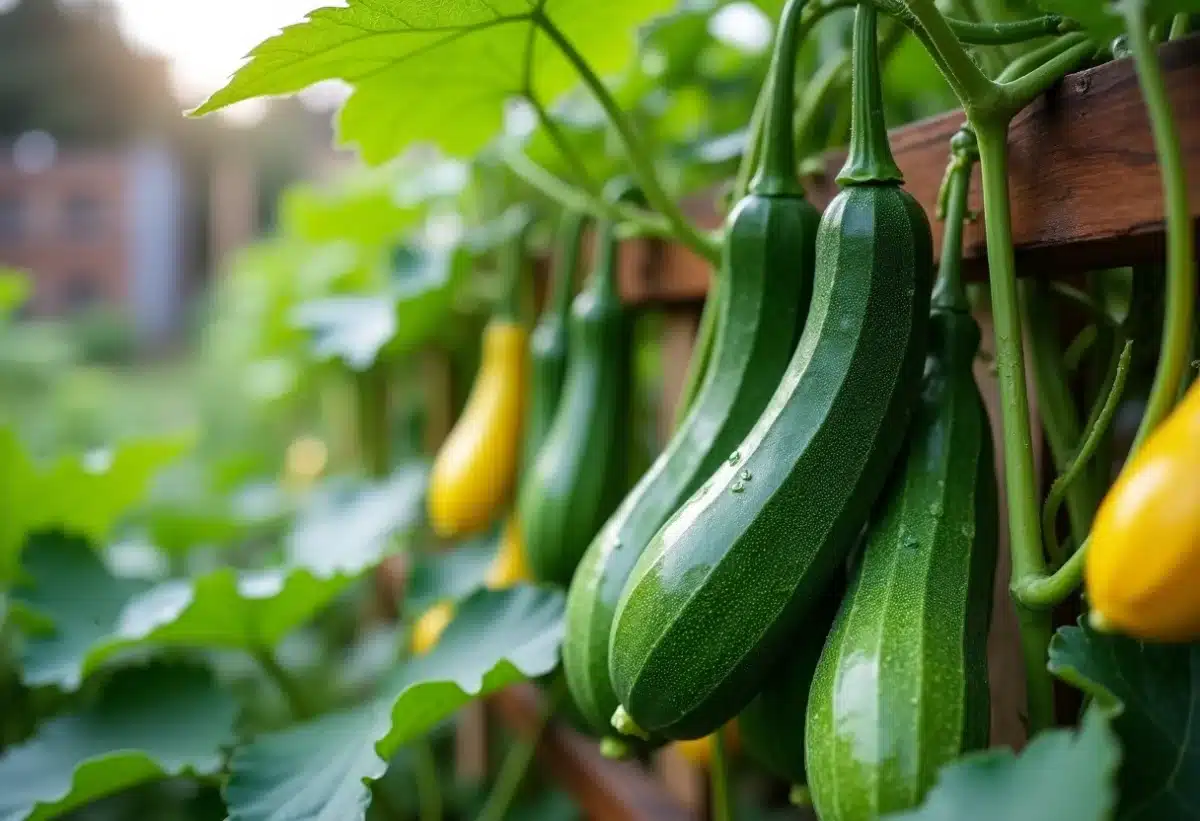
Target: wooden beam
x: 604, y: 789
x: 1084, y: 176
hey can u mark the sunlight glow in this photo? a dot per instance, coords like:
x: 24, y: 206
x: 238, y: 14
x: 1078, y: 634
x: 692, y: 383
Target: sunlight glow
x: 206, y: 40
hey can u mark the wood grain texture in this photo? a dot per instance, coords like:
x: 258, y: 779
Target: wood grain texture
x: 1085, y: 186
x: 605, y: 790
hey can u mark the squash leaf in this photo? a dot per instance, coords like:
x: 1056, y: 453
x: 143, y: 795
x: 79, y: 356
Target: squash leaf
x: 1152, y: 692
x: 148, y: 723
x: 1062, y: 774
x: 321, y: 769
x: 96, y: 615
x: 438, y: 72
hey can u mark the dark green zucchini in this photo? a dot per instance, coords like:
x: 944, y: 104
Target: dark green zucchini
x: 901, y: 688
x: 730, y: 578
x: 580, y: 474
x: 772, y: 725
x: 766, y: 282
x: 549, y: 343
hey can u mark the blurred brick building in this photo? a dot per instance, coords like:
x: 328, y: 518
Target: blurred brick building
x: 98, y: 227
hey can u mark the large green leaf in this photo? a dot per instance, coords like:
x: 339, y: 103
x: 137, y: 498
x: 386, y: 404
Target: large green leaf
x: 439, y: 72
x: 1061, y: 775
x: 149, y: 723
x: 319, y: 770
x: 346, y: 528
x: 1152, y: 692
x: 96, y: 615
x: 84, y: 495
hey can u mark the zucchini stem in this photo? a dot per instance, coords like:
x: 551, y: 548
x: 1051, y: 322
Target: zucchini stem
x: 776, y: 175
x: 949, y: 293
x: 870, y: 159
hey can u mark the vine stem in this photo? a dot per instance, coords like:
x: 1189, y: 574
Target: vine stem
x: 1092, y: 436
x: 565, y: 149
x: 1181, y: 273
x: 1020, y: 478
x: 643, y: 223
x: 643, y: 165
x: 702, y: 349
x: 372, y: 394
x: 722, y: 799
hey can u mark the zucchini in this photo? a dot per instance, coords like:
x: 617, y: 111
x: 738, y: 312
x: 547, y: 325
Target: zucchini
x: 548, y: 344
x: 901, y: 688
x: 730, y: 578
x: 772, y: 725
x: 581, y: 474
x: 766, y: 283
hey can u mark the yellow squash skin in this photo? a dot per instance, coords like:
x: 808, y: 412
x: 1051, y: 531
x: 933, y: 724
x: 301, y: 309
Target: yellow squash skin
x: 429, y: 628
x: 1143, y: 562
x: 509, y: 567
x: 475, y: 471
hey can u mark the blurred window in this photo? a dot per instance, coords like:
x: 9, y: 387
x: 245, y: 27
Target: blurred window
x: 84, y: 218
x: 12, y: 218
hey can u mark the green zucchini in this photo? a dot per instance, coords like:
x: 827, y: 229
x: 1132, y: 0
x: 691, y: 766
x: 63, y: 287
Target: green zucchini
x: 580, y: 474
x: 730, y: 578
x: 772, y: 725
x: 766, y: 283
x: 901, y: 688
x: 548, y: 343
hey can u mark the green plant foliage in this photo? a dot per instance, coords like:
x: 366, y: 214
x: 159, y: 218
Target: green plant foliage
x: 347, y: 527
x: 1151, y: 691
x: 449, y: 575
x: 320, y: 769
x: 412, y: 310
x: 82, y: 495
x: 437, y: 72
x: 250, y: 611
x: 1062, y: 774
x: 1105, y: 19
x: 14, y: 290
x: 148, y: 723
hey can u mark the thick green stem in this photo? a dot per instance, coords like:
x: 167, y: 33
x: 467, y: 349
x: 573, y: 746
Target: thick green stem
x: 973, y: 88
x: 870, y: 159
x: 776, y: 175
x: 1181, y: 262
x: 373, y: 396
x: 1037, y: 58
x: 1077, y: 466
x: 722, y: 798
x: 639, y: 158
x: 1019, y: 93
x: 1020, y: 478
